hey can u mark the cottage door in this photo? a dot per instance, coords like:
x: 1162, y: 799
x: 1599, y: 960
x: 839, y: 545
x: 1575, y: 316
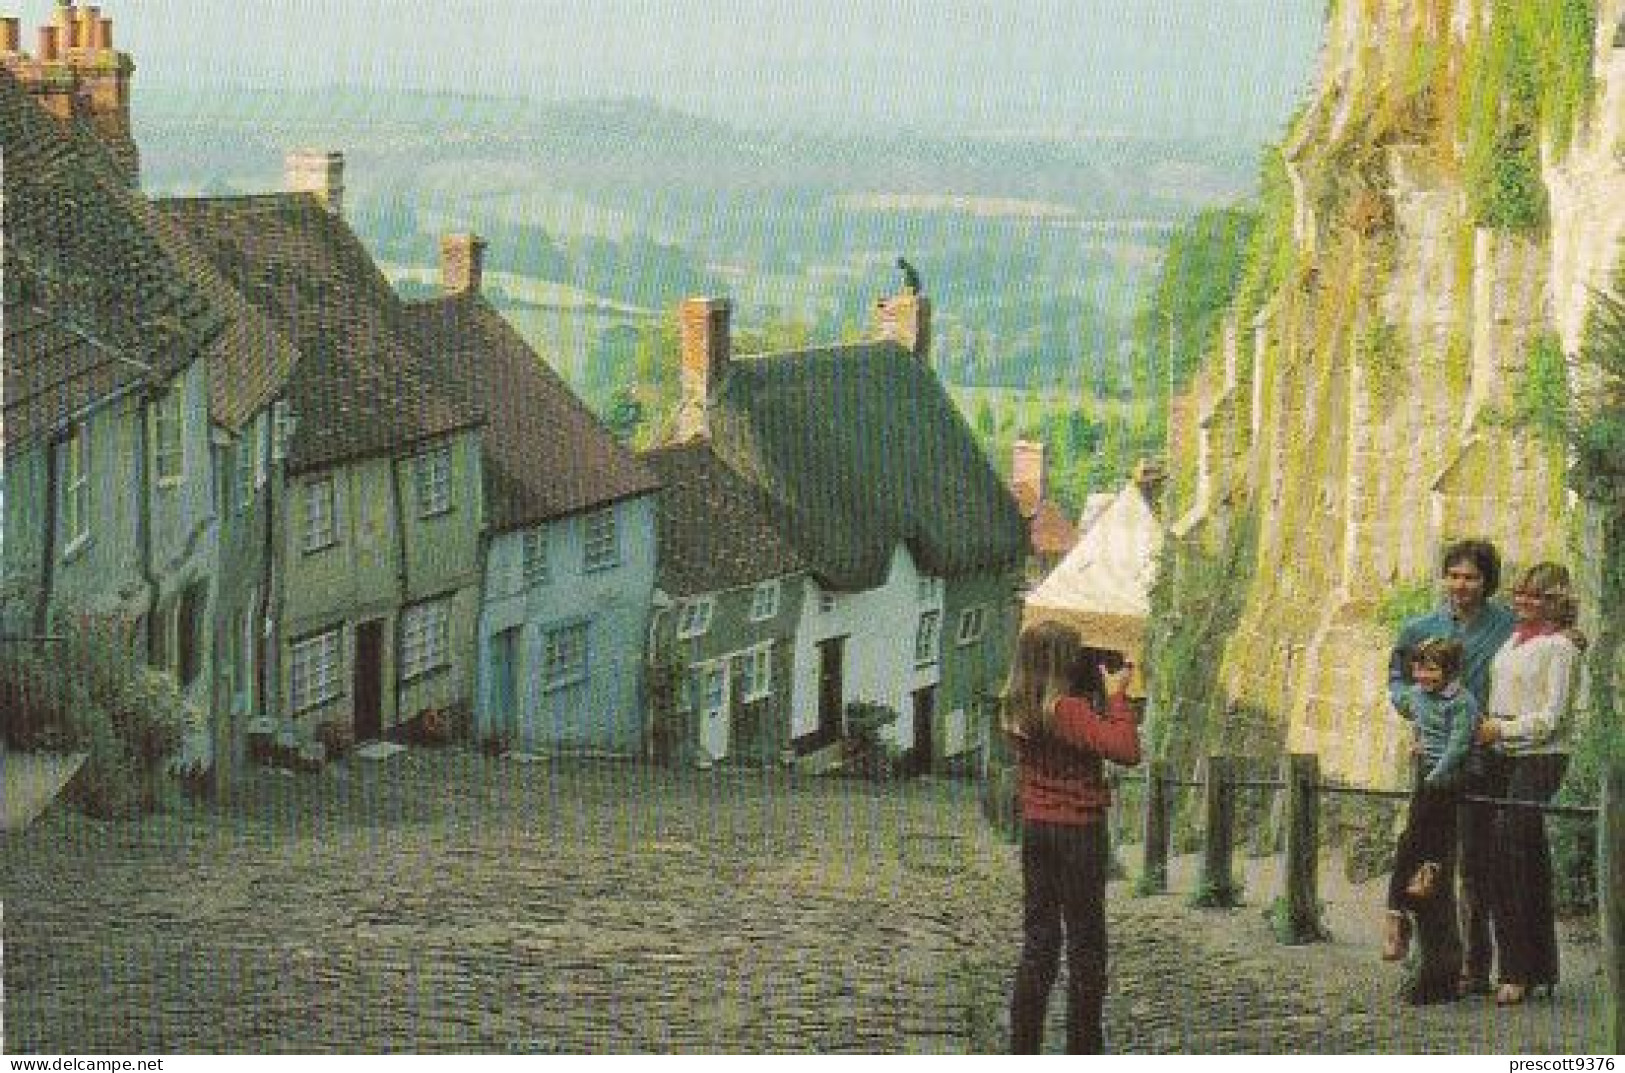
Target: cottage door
x: 502, y: 717
x: 831, y: 688
x: 369, y: 680
x: 925, y: 707
x: 714, y: 714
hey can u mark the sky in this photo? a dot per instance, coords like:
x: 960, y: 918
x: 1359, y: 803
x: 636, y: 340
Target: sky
x: 1231, y: 68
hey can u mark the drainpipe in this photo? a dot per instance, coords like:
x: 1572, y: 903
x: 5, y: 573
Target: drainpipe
x: 398, y: 507
x: 143, y: 521
x: 275, y: 480
x: 47, y: 569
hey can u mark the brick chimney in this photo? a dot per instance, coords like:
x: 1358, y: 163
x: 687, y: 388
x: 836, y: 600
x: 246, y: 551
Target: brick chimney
x: 1029, y: 474
x: 462, y: 263
x: 707, y: 348
x: 905, y: 318
x: 76, y: 75
x: 319, y: 172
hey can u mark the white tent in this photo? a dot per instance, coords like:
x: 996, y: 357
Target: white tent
x: 1103, y: 586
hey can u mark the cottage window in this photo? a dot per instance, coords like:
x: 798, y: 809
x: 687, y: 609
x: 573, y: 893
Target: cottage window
x: 755, y: 670
x: 764, y: 602
x: 926, y: 589
x: 926, y: 637
x: 315, y: 671
x: 243, y: 474
x: 713, y: 688
x: 75, y: 465
x: 533, y: 556
x: 425, y: 638
x: 281, y: 429
x: 168, y: 453
x: 602, y: 547
x: 972, y: 620
x: 564, y: 656
x: 189, y: 625
x: 431, y: 478
x: 258, y: 432
x: 694, y: 617
x: 321, y: 515
x: 826, y: 602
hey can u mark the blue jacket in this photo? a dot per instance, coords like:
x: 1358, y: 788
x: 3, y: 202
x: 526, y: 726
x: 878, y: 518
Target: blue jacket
x: 1480, y: 642
x: 1445, y: 722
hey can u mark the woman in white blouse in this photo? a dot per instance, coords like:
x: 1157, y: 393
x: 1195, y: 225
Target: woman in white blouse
x: 1529, y: 731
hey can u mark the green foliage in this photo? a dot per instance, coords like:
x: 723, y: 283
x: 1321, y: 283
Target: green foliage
x: 1272, y: 255
x: 1382, y: 358
x: 1403, y: 602
x: 1209, y: 895
x: 84, y: 692
x: 1281, y: 924
x: 1196, y: 601
x: 1179, y: 317
x: 1528, y: 77
x: 866, y: 750
x: 1541, y: 399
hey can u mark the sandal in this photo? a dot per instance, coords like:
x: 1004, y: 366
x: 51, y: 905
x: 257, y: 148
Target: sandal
x: 1424, y: 882
x: 1396, y: 936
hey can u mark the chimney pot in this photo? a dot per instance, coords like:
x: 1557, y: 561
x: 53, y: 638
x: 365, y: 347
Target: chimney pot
x: 706, y: 350
x: 462, y: 263
x: 905, y: 318
x: 104, y: 35
x: 11, y: 35
x: 48, y: 44
x: 319, y: 172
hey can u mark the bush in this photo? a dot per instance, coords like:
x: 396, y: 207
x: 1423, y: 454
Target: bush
x: 84, y: 691
x: 866, y: 750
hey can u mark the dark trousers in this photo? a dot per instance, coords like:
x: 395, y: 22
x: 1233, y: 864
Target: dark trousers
x: 1478, y: 865
x: 1521, y: 882
x: 1430, y: 835
x: 1063, y: 870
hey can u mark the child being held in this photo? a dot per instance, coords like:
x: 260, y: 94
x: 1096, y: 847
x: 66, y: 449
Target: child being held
x: 1445, y: 717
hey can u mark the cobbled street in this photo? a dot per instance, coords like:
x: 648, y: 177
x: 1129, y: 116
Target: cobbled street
x: 446, y: 901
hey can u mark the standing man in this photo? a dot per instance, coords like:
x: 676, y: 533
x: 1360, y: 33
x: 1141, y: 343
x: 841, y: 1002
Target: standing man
x: 1471, y: 573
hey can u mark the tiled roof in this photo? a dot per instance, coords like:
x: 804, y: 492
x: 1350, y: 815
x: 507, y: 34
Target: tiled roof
x: 81, y: 255
x: 54, y: 371
x: 362, y: 388
x: 1052, y: 533
x: 859, y: 448
x: 715, y: 530
x: 546, y: 455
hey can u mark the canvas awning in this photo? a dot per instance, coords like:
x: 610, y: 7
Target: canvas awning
x: 1103, y: 586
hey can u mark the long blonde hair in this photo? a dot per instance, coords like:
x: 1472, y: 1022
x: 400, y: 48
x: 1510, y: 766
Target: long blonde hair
x: 1551, y: 583
x: 1041, y: 670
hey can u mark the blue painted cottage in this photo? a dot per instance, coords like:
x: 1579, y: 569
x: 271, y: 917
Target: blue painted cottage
x: 570, y: 536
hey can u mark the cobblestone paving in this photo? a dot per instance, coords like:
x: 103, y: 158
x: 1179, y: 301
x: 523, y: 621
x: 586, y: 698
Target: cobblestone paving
x: 444, y: 901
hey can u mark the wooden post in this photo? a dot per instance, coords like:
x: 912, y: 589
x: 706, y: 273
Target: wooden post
x: 1299, y: 920
x: 1217, y: 887
x: 1611, y: 897
x: 1154, y: 874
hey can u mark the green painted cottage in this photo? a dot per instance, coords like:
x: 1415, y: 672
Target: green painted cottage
x: 909, y: 544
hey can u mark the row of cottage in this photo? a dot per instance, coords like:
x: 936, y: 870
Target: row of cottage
x: 328, y: 511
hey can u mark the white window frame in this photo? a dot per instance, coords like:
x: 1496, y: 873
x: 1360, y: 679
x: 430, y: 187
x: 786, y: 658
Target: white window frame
x: 321, y: 514
x: 928, y: 638
x: 260, y: 429
x: 281, y: 429
x: 242, y: 474
x: 76, y: 488
x: 764, y: 601
x: 315, y: 670
x: 564, y: 656
x: 826, y: 603
x: 534, y: 568
x: 425, y: 638
x: 716, y: 671
x: 600, y: 541
x: 755, y: 672
x: 431, y: 481
x: 972, y: 624
x: 694, y: 617
x: 168, y: 439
